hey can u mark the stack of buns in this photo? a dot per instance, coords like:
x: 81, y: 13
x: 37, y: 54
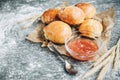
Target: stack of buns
x: 60, y: 21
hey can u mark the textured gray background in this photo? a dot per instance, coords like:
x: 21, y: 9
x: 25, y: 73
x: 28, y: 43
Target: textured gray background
x: 24, y: 60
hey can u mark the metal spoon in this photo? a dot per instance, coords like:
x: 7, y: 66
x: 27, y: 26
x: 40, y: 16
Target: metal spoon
x: 67, y: 66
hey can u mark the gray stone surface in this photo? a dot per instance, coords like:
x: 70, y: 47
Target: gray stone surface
x: 24, y: 60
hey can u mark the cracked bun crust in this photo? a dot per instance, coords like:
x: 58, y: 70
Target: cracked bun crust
x: 71, y: 15
x: 88, y: 9
x: 91, y: 28
x: 49, y: 15
x: 57, y: 31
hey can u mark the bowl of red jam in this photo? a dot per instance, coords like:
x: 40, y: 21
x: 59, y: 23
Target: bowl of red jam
x: 82, y: 48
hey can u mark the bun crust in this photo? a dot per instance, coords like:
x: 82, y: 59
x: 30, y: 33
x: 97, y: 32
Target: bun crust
x: 88, y: 9
x: 49, y: 15
x: 91, y: 28
x: 57, y: 32
x: 72, y: 15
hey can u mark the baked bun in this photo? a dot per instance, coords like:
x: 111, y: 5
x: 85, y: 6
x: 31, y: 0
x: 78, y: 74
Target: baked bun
x: 57, y: 31
x: 88, y: 9
x: 71, y: 15
x: 49, y: 15
x: 91, y: 28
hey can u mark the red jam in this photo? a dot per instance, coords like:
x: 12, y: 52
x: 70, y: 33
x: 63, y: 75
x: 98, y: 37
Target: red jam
x: 83, y: 49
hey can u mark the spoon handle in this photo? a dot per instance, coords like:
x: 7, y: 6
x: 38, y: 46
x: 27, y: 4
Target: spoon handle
x: 68, y: 67
x: 57, y: 53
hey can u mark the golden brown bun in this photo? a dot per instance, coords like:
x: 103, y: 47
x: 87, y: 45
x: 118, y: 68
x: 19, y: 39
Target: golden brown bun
x: 49, y: 15
x: 57, y: 31
x: 91, y: 28
x: 88, y: 9
x: 72, y: 15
